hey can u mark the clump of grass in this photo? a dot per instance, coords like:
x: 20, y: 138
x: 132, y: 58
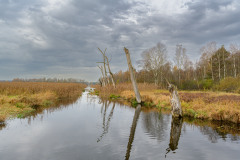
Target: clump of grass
x: 24, y: 113
x: 47, y: 103
x: 113, y: 96
x: 134, y: 102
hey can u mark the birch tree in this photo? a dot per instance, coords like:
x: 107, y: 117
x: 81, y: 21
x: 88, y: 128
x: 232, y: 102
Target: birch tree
x: 154, y: 59
x: 179, y: 59
x: 234, y: 49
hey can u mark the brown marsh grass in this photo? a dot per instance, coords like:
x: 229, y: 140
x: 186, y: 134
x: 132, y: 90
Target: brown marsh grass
x: 21, y: 98
x: 219, y: 106
x: 109, y: 90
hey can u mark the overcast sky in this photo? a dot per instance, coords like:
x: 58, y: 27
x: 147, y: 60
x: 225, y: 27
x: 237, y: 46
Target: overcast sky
x: 59, y: 38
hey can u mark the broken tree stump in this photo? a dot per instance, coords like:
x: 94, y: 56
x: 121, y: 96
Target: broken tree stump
x: 175, y: 101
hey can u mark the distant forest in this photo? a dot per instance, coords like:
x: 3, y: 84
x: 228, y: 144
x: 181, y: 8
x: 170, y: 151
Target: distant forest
x: 59, y: 80
x: 217, y: 68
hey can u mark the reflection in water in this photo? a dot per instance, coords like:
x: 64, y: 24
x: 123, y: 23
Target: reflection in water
x: 2, y: 125
x: 213, y: 135
x: 70, y: 133
x: 176, y: 127
x: 156, y: 124
x: 106, y: 125
x: 63, y: 103
x: 215, y: 130
x: 216, y: 133
x: 132, y: 132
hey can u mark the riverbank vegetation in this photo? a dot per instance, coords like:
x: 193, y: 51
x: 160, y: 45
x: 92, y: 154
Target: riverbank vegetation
x: 210, y: 105
x: 19, y: 99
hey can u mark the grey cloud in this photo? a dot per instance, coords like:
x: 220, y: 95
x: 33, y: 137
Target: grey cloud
x: 40, y: 42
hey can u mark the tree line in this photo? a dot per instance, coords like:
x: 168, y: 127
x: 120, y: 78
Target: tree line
x: 215, y: 66
x: 59, y: 80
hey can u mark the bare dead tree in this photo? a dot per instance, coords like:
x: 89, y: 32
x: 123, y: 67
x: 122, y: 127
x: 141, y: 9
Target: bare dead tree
x: 134, y: 83
x: 110, y: 72
x: 104, y: 63
x: 103, y: 76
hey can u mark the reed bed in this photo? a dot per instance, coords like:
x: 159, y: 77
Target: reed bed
x: 21, y: 98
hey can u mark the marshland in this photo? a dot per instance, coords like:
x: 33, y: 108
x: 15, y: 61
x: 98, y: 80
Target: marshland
x: 106, y: 120
x: 114, y: 80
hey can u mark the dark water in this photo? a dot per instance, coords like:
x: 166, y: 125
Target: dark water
x: 92, y: 129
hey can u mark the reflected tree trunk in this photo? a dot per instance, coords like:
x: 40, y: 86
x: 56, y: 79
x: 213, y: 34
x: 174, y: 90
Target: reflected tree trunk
x: 106, y: 124
x: 176, y: 127
x: 2, y: 125
x: 132, y: 132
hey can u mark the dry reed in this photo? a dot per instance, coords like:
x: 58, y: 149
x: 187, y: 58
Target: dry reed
x: 21, y: 98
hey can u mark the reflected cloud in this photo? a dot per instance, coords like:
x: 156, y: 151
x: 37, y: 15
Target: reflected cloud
x: 156, y: 124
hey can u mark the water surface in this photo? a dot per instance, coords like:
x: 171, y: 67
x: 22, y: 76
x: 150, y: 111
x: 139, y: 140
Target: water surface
x: 92, y: 128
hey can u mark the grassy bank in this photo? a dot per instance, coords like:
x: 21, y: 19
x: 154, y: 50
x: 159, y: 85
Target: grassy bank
x: 19, y: 99
x: 219, y: 106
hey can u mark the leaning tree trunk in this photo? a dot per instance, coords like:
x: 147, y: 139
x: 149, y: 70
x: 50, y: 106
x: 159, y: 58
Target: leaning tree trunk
x: 134, y: 83
x: 175, y: 101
